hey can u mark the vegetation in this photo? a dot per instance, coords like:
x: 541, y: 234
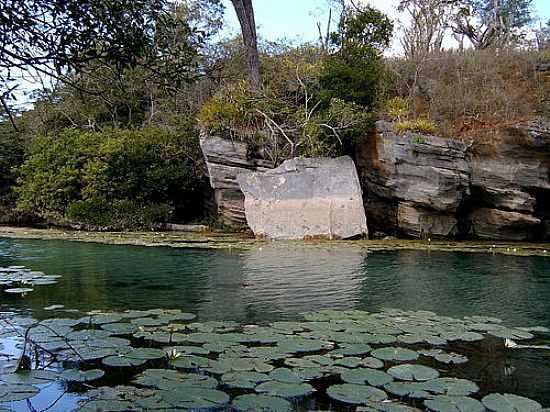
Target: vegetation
x: 116, y: 178
x: 111, y: 139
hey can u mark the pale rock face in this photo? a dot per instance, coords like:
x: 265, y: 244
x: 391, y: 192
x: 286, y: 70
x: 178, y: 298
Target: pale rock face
x: 305, y: 198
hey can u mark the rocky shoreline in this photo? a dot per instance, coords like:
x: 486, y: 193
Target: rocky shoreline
x: 237, y: 241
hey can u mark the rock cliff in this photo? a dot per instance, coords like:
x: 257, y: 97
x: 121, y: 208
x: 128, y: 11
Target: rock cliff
x: 421, y: 186
x: 425, y: 186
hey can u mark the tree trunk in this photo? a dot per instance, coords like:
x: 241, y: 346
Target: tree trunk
x: 245, y: 13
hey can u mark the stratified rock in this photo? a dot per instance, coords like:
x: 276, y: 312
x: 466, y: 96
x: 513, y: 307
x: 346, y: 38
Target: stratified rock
x: 305, y: 198
x: 419, y: 222
x: 225, y: 159
x: 501, y: 225
x: 415, y: 182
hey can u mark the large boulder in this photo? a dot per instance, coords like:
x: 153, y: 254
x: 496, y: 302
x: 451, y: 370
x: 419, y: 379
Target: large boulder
x: 305, y: 198
x: 225, y: 159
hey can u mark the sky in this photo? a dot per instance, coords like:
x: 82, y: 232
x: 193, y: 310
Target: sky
x: 296, y: 19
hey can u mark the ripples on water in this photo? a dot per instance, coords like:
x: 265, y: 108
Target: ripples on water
x: 279, y: 281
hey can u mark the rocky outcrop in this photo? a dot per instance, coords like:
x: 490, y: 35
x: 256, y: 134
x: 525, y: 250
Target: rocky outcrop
x: 305, y: 198
x: 421, y: 186
x: 511, y: 183
x: 414, y: 183
x: 225, y: 159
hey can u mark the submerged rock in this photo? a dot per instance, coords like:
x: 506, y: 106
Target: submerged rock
x: 305, y: 198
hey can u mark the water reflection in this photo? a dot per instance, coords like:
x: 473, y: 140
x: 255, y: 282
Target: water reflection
x: 287, y: 279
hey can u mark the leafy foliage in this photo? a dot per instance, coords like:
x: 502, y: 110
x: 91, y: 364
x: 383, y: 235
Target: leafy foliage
x: 117, y: 178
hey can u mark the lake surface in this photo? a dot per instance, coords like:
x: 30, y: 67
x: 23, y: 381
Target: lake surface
x: 280, y: 281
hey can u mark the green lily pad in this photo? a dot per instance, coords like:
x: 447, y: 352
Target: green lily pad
x: 168, y: 379
x: 497, y: 402
x: 34, y: 377
x: 445, y: 403
x: 189, y: 362
x: 13, y: 393
x: 299, y: 345
x: 261, y: 403
x: 356, y: 349
x: 386, y: 407
x: 349, y: 362
x: 76, y: 375
x: 195, y: 398
x: 285, y: 390
x: 451, y: 386
x: 285, y: 375
x: 395, y: 354
x: 355, y: 394
x: 372, y: 363
x: 244, y: 380
x: 410, y: 372
x: 363, y: 376
x: 105, y: 405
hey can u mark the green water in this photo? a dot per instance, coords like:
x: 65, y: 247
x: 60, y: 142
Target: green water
x: 280, y: 281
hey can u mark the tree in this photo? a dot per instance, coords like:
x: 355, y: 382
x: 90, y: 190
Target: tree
x: 491, y: 23
x: 429, y: 22
x: 543, y: 36
x: 58, y: 39
x: 245, y: 14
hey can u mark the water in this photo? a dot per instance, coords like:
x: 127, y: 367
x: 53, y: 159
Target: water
x: 279, y: 281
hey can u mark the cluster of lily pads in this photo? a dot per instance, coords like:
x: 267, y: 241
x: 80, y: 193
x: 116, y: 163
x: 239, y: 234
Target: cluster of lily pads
x: 20, y: 280
x: 354, y: 360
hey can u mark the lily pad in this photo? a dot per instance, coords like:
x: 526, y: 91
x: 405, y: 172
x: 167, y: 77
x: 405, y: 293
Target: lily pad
x: 34, y: 377
x: 76, y: 375
x: 395, y: 354
x: 363, y: 376
x: 195, y: 398
x: 244, y: 380
x: 507, y: 402
x: 13, y: 393
x: 445, y: 403
x: 260, y: 403
x: 285, y: 390
x: 410, y: 372
x: 355, y: 394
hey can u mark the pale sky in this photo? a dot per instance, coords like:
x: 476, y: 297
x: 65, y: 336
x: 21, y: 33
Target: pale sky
x: 296, y: 19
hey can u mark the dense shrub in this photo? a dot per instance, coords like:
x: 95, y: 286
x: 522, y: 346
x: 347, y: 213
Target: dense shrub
x: 116, y: 178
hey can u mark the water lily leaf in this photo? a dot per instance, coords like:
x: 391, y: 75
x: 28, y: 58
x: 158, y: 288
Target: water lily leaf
x: 105, y: 405
x: 120, y: 328
x: 311, y: 361
x: 510, y: 333
x: 188, y: 362
x: 261, y: 403
x: 451, y: 386
x: 395, y: 354
x: 507, y: 402
x: 414, y: 390
x: 168, y: 379
x: 34, y: 377
x: 362, y: 376
x: 410, y: 372
x: 285, y: 375
x: 356, y: 349
x: 195, y: 398
x: 122, y: 361
x: 76, y: 375
x: 372, y: 363
x: 445, y: 403
x: 386, y: 407
x: 350, y: 362
x: 444, y: 357
x: 285, y: 390
x: 299, y: 345
x: 13, y: 393
x: 244, y: 380
x: 355, y: 394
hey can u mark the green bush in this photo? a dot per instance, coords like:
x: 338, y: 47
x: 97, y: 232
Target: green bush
x: 125, y: 179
